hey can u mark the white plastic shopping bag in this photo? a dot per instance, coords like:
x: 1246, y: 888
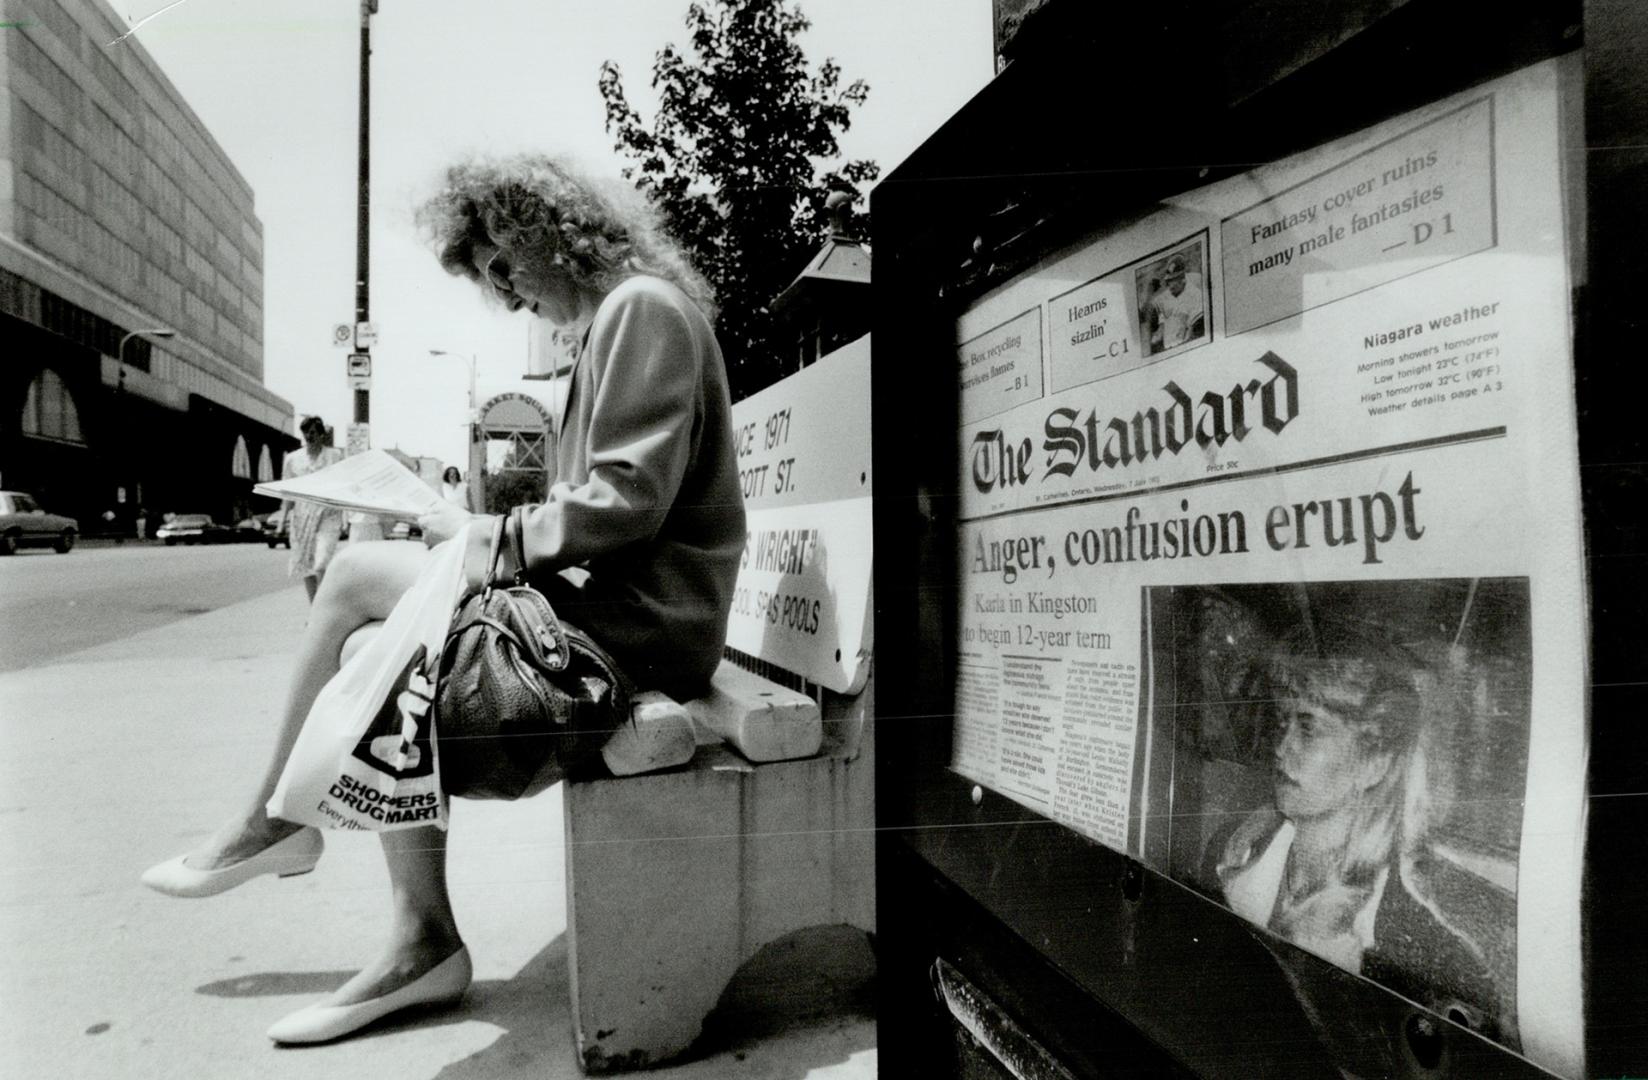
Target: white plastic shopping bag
x: 367, y: 756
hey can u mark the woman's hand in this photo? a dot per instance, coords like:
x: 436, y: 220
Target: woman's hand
x: 478, y: 554
x: 446, y: 523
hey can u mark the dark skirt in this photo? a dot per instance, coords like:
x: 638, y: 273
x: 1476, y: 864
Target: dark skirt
x: 652, y: 656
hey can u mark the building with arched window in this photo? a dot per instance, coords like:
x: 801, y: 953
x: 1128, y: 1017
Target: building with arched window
x: 131, y: 284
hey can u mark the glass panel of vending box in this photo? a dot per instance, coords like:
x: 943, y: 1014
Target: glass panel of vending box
x: 1259, y: 580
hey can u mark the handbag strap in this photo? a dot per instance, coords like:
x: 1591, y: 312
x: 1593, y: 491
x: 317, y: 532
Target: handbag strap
x: 517, y: 543
x: 495, y: 553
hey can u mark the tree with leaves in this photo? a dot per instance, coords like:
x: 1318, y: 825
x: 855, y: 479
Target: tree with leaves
x: 733, y: 158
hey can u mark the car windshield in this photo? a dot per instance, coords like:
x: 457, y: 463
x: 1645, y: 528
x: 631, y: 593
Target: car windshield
x: 23, y: 504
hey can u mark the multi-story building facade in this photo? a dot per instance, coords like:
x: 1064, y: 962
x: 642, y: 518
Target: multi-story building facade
x: 122, y: 219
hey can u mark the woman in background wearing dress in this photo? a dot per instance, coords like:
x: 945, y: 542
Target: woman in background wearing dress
x: 453, y: 489
x: 314, y: 529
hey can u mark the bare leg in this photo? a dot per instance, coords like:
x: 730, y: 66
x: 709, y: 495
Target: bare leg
x: 362, y: 586
x: 422, y: 930
x: 320, y: 575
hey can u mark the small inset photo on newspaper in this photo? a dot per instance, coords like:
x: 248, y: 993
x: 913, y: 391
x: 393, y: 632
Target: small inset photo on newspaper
x: 1349, y: 764
x: 1172, y: 299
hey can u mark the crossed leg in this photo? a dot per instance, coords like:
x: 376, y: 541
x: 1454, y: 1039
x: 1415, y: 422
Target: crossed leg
x: 361, y: 586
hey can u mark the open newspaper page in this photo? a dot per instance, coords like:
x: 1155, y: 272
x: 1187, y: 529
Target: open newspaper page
x: 1270, y: 555
x: 371, y: 481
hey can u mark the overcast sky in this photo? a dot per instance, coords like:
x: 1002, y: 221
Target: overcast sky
x: 276, y: 85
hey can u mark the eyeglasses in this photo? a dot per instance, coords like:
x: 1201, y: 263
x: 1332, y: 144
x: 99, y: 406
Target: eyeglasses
x: 499, y: 280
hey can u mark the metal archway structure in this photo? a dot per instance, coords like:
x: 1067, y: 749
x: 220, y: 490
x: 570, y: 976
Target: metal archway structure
x: 514, y: 433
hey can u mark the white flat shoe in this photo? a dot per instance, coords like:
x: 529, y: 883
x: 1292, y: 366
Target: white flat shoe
x: 444, y: 984
x: 296, y: 854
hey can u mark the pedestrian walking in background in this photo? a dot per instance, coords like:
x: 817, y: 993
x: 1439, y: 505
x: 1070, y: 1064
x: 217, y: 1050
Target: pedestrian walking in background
x: 453, y: 489
x: 314, y: 529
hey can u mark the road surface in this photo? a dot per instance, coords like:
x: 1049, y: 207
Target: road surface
x: 52, y: 605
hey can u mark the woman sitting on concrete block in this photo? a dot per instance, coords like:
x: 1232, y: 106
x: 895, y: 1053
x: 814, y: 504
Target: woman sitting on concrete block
x: 644, y: 509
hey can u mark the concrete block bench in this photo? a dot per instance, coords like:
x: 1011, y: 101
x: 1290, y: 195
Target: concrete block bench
x: 676, y: 878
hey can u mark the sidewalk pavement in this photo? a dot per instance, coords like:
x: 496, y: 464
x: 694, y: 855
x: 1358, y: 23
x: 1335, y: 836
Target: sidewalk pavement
x: 128, y: 753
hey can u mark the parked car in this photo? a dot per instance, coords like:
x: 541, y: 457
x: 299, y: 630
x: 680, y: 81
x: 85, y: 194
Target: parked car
x: 249, y: 530
x: 275, y: 531
x: 24, y: 524
x: 405, y: 530
x: 194, y: 529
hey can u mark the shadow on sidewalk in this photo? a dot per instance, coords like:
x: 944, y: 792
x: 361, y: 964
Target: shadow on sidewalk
x: 533, y: 1011
x: 276, y: 984
x: 809, y: 978
x: 815, y: 979
x: 819, y: 979
x: 527, y: 1007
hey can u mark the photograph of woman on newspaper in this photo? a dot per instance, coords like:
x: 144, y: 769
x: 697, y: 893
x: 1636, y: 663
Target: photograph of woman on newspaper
x: 1330, y: 742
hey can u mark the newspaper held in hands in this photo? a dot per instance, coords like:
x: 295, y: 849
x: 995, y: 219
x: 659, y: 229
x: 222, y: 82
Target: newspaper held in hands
x: 371, y: 481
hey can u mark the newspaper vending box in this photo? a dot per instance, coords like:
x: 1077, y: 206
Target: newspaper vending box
x: 1259, y: 562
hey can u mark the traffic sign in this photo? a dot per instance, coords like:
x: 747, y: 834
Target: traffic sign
x: 366, y: 335
x: 360, y: 382
x: 359, y: 364
x: 341, y: 333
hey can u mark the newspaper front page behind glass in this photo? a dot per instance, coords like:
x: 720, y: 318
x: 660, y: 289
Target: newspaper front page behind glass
x: 1270, y: 555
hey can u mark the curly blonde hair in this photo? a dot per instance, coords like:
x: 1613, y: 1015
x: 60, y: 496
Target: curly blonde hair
x: 540, y: 209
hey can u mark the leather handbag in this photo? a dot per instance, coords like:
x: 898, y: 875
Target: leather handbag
x: 521, y: 697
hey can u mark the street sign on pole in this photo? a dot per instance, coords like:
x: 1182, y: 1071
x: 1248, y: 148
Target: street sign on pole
x: 366, y: 335
x: 341, y: 333
x: 359, y: 439
x: 360, y: 382
x: 359, y: 364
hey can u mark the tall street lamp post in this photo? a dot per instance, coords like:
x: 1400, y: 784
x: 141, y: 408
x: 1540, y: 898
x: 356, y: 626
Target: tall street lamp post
x: 363, y: 526
x: 476, y: 468
x: 363, y: 206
